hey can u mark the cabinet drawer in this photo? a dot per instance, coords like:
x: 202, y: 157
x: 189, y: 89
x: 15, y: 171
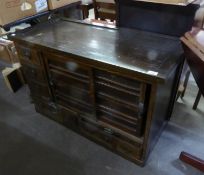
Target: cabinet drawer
x: 111, y: 139
x: 115, y: 120
x: 27, y: 54
x: 39, y: 90
x: 70, y: 118
x: 48, y: 109
x: 128, y: 150
x: 96, y: 133
x: 33, y: 73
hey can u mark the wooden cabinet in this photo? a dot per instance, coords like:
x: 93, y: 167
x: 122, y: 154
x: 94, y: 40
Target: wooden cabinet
x: 110, y: 97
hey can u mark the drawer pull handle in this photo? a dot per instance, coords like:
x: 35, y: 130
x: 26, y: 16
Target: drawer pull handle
x: 52, y: 84
x: 141, y: 109
x: 108, y: 130
x: 33, y: 72
x: 53, y: 107
x: 26, y: 53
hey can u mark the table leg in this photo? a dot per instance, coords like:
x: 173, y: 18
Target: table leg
x: 185, y: 83
x: 197, y: 100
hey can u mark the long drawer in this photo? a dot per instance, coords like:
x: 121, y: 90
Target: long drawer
x: 111, y: 139
x: 70, y: 118
x: 103, y: 135
x: 65, y: 116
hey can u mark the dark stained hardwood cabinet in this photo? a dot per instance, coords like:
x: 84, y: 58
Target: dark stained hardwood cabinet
x: 114, y: 86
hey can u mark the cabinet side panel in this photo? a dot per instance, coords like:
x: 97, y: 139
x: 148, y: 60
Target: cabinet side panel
x: 165, y: 97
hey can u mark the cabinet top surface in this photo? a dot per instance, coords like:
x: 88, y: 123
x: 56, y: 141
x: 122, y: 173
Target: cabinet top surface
x: 147, y: 53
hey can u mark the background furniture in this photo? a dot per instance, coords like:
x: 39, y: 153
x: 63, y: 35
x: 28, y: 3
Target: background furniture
x: 157, y: 18
x: 105, y: 9
x: 85, y: 9
x: 182, y: 88
x: 93, y: 80
x: 198, y: 23
x: 193, y: 44
x: 44, y: 16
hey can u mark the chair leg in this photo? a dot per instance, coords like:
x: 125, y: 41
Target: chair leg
x: 185, y: 83
x: 192, y: 160
x: 85, y: 11
x: 197, y: 100
x: 180, y: 91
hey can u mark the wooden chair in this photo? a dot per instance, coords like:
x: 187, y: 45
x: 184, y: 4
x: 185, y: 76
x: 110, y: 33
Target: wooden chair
x: 105, y: 9
x: 199, y: 23
x: 183, y: 87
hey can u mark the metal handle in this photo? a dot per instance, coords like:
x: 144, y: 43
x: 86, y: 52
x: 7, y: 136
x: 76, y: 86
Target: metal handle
x: 52, y: 84
x: 26, y: 53
x: 53, y: 107
x: 33, y: 72
x: 141, y: 108
x: 108, y: 131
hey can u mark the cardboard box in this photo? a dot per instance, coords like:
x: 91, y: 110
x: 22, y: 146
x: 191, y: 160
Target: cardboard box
x: 13, y: 77
x: 54, y: 4
x: 13, y: 10
x: 2, y: 32
x: 8, y: 52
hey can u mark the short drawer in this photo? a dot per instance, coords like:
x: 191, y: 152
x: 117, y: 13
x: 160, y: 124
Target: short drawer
x: 32, y: 72
x: 70, y: 118
x: 27, y: 54
x: 39, y: 90
x: 49, y: 109
x: 128, y: 150
x: 96, y: 133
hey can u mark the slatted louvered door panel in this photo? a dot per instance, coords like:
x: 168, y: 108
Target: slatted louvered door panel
x: 120, y: 101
